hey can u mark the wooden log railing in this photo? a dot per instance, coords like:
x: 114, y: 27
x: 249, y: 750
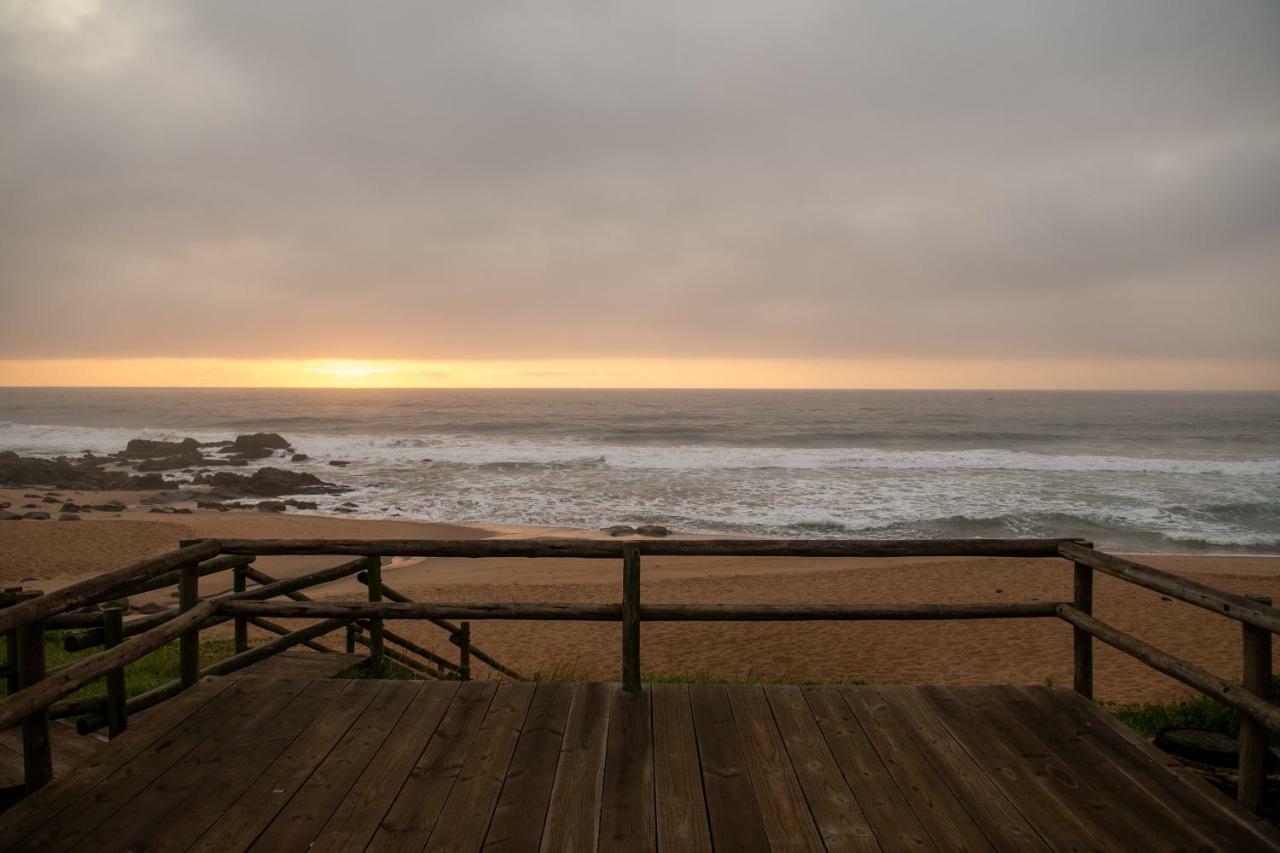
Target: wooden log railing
x: 35, y: 693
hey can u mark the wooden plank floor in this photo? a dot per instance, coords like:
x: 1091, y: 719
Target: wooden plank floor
x: 285, y: 764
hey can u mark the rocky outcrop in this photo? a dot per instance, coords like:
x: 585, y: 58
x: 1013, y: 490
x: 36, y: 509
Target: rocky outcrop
x: 620, y: 530
x: 146, y: 448
x: 652, y: 530
x: 85, y: 474
x: 271, y: 506
x: 272, y: 482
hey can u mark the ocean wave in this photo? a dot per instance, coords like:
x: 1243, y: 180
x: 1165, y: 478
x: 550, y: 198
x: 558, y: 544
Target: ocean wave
x: 385, y: 450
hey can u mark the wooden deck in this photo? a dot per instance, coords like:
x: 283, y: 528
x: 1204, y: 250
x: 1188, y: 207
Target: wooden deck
x: 280, y: 764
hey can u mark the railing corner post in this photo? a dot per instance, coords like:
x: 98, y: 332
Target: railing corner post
x: 631, y: 617
x: 351, y: 638
x: 1254, y: 737
x: 37, y: 757
x: 1082, y: 641
x: 189, y: 641
x: 117, y: 697
x: 376, y: 646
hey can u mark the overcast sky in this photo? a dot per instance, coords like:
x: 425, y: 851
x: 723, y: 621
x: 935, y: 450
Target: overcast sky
x: 577, y: 179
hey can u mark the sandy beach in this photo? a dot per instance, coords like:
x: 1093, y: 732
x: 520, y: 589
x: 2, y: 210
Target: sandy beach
x: 49, y: 554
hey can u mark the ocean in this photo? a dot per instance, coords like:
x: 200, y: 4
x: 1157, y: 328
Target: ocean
x: 1146, y: 472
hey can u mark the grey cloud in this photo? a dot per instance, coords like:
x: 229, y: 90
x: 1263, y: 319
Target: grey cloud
x: 571, y: 179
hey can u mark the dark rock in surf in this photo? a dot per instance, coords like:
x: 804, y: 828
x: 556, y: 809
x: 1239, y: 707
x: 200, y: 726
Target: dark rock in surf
x: 652, y: 530
x: 259, y: 441
x: 620, y: 530
x: 272, y: 482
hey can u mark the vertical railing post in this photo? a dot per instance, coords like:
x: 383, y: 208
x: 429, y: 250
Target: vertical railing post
x: 37, y: 758
x: 463, y: 638
x: 351, y: 639
x: 113, y: 635
x: 631, y: 617
x: 1082, y: 641
x: 239, y: 584
x: 375, y: 625
x: 1254, y: 738
x: 189, y: 641
x: 13, y: 595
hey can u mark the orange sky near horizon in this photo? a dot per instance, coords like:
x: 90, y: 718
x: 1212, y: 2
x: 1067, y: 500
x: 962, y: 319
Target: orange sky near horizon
x: 643, y: 373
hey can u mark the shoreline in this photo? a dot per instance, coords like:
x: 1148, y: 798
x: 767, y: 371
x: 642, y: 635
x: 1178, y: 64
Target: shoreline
x: 50, y: 554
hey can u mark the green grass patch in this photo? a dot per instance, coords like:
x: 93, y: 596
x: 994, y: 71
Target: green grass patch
x: 155, y: 669
x: 1201, y: 712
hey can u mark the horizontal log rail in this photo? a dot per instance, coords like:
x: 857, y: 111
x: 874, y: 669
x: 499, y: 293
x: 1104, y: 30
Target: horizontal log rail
x: 28, y: 614
x: 648, y: 612
x: 71, y: 678
x: 1205, y: 682
x: 1175, y: 586
x: 613, y: 548
x: 102, y: 587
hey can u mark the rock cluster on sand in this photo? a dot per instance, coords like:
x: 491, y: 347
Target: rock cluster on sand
x: 642, y: 530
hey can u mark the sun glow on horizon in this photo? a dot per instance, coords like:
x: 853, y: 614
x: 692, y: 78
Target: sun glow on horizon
x: 641, y: 373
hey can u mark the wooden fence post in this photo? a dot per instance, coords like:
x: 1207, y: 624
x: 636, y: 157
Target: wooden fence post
x: 351, y: 639
x: 1082, y: 641
x: 375, y: 625
x: 464, y: 651
x: 113, y: 635
x: 37, y: 758
x: 13, y: 595
x: 189, y: 641
x: 238, y: 584
x: 631, y: 617
x: 1254, y: 738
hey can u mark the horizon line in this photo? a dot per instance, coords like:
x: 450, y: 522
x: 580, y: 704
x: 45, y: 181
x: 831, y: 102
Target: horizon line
x: 989, y: 390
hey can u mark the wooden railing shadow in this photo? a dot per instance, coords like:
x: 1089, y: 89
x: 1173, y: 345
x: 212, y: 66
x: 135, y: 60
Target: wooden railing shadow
x: 41, y: 694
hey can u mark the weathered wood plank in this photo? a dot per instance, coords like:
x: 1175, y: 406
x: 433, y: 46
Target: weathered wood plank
x: 834, y: 806
x: 787, y: 821
x: 1179, y: 789
x: 573, y: 815
x: 521, y: 811
x: 1128, y: 814
x: 894, y: 823
x: 35, y: 811
x: 102, y: 803
x: 407, y: 825
x: 183, y: 803
x: 356, y: 819
x: 940, y: 811
x: 1016, y: 766
x: 465, y: 817
x: 681, y: 810
x: 732, y: 810
x: 999, y: 818
x: 261, y: 802
x: 627, y: 799
x: 313, y: 804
